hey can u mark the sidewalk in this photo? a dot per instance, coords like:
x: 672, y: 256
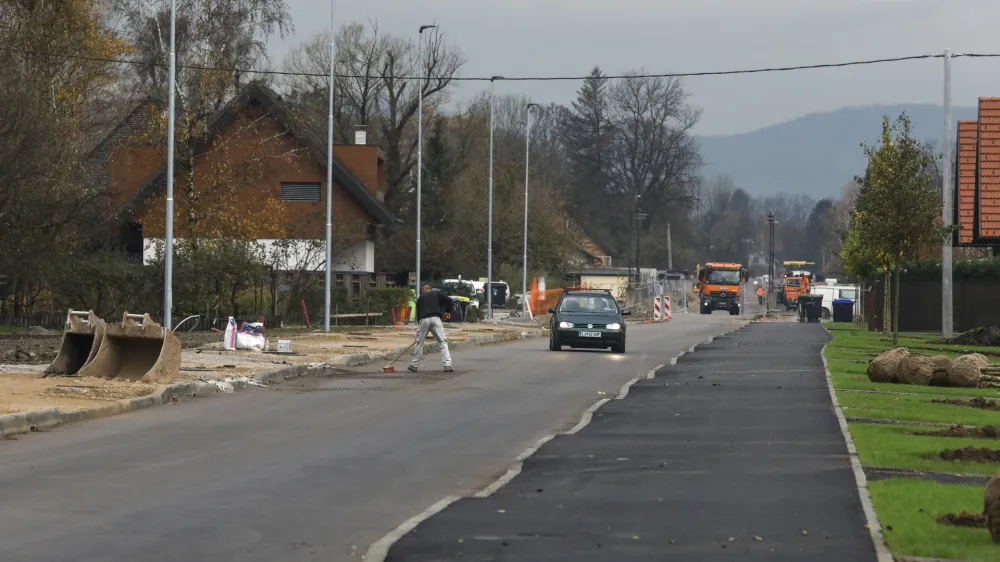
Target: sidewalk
x: 734, y: 453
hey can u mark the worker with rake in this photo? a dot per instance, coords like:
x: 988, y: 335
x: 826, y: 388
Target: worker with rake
x: 432, y: 307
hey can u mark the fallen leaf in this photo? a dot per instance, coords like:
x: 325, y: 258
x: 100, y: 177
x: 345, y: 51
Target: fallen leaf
x: 732, y: 539
x: 501, y: 511
x: 758, y: 539
x: 805, y: 532
x: 635, y: 537
x: 671, y: 541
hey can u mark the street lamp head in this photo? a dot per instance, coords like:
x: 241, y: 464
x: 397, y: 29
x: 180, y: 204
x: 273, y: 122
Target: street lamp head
x: 423, y: 27
x: 492, y: 78
x: 530, y: 105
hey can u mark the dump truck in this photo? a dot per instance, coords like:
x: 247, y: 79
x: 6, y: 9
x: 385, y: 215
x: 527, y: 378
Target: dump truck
x: 719, y: 286
x: 137, y: 349
x: 83, y: 334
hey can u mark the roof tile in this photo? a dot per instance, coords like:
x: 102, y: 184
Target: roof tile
x: 966, y: 201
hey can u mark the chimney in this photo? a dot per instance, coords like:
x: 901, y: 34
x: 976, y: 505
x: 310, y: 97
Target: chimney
x: 360, y: 136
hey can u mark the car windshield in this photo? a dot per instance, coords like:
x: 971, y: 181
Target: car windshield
x: 723, y: 277
x: 793, y: 282
x: 597, y: 304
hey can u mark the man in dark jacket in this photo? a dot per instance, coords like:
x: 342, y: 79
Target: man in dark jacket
x: 432, y: 307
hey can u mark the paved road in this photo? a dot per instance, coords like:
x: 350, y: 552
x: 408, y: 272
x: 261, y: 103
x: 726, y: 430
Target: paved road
x: 315, y: 469
x: 735, y: 453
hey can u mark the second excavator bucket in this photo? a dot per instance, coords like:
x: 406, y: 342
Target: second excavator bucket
x: 138, y: 349
x: 82, y: 337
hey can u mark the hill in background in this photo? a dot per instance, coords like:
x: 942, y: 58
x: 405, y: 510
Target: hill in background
x: 816, y: 154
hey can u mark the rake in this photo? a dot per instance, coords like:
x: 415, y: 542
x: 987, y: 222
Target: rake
x: 389, y: 368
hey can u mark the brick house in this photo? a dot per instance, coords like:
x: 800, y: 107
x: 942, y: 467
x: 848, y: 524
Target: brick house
x: 261, y: 174
x: 977, y: 178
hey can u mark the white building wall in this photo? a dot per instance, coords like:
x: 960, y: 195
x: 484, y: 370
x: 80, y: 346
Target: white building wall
x: 293, y: 254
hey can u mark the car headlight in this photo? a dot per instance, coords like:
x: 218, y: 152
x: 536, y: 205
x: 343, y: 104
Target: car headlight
x: 565, y: 324
x: 614, y: 326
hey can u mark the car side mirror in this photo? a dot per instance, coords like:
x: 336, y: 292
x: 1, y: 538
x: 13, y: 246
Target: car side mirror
x: 552, y: 311
x: 626, y: 313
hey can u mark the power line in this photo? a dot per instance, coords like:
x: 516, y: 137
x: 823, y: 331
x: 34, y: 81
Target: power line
x: 761, y: 70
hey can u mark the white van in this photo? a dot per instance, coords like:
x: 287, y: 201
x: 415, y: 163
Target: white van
x: 834, y: 292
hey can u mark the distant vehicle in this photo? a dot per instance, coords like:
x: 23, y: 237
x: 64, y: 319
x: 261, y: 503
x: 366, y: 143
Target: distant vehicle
x: 719, y: 287
x: 587, y: 318
x: 832, y: 292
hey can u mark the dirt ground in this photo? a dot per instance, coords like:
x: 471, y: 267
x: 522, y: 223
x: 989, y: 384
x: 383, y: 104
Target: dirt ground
x: 977, y: 402
x: 973, y: 454
x: 25, y: 391
x: 964, y: 519
x: 23, y: 357
x: 985, y: 432
x: 985, y: 337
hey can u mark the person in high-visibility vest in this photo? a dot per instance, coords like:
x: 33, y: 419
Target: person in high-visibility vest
x: 760, y: 296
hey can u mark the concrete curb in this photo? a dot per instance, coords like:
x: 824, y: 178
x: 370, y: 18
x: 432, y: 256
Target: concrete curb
x: 38, y: 420
x: 882, y: 552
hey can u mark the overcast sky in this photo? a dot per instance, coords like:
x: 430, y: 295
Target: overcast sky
x: 569, y: 37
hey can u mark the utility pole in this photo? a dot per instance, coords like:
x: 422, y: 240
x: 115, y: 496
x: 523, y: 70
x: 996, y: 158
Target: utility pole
x: 527, y: 159
x: 329, y: 180
x: 420, y: 138
x: 947, y: 308
x: 168, y: 252
x: 770, y: 262
x: 489, y: 250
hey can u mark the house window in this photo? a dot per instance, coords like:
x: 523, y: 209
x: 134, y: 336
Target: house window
x: 373, y: 281
x: 297, y: 192
x: 355, y: 286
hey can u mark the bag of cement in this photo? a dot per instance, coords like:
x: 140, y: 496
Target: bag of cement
x: 254, y: 342
x: 884, y: 368
x: 229, y: 337
x: 915, y: 369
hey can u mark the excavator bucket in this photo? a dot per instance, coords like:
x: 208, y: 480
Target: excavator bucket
x: 138, y: 349
x: 82, y: 337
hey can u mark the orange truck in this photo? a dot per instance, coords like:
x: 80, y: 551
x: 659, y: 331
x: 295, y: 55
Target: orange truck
x: 797, y: 281
x: 719, y: 286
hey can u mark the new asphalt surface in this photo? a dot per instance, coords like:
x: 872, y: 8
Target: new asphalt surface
x: 311, y: 469
x: 734, y: 453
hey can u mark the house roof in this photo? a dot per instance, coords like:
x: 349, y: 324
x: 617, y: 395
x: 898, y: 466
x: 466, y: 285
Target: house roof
x: 255, y: 94
x: 965, y: 203
x: 988, y: 219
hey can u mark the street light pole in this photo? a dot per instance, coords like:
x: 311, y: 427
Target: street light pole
x: 524, y: 266
x: 420, y: 137
x: 168, y: 232
x: 329, y: 182
x: 489, y: 250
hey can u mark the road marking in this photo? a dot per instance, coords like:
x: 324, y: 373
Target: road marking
x: 625, y: 387
x: 514, y: 469
x: 652, y: 372
x: 380, y: 548
x: 586, y: 417
x: 874, y: 527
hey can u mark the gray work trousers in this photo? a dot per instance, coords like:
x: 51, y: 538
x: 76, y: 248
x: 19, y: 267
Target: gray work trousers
x: 436, y: 328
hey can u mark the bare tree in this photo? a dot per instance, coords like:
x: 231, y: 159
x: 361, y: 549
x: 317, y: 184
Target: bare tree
x: 380, y: 77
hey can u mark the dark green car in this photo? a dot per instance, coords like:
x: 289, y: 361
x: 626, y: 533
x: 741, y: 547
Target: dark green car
x: 587, y: 319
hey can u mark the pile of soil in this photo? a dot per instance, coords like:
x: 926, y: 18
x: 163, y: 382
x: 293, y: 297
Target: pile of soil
x: 964, y: 519
x: 971, y: 454
x: 983, y: 337
x: 984, y: 432
x: 977, y: 402
x: 28, y: 350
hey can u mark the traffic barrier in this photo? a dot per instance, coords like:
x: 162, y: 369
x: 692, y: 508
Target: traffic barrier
x: 666, y: 308
x: 657, y: 308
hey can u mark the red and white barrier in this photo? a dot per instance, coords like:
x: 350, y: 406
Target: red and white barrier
x: 666, y: 308
x: 657, y: 308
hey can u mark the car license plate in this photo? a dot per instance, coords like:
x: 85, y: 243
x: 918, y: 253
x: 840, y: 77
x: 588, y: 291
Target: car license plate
x: 590, y: 334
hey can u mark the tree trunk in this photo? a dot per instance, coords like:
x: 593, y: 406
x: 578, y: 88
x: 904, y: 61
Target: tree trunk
x: 895, y: 309
x: 886, y: 308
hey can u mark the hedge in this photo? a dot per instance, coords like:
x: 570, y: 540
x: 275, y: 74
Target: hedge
x: 969, y: 270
